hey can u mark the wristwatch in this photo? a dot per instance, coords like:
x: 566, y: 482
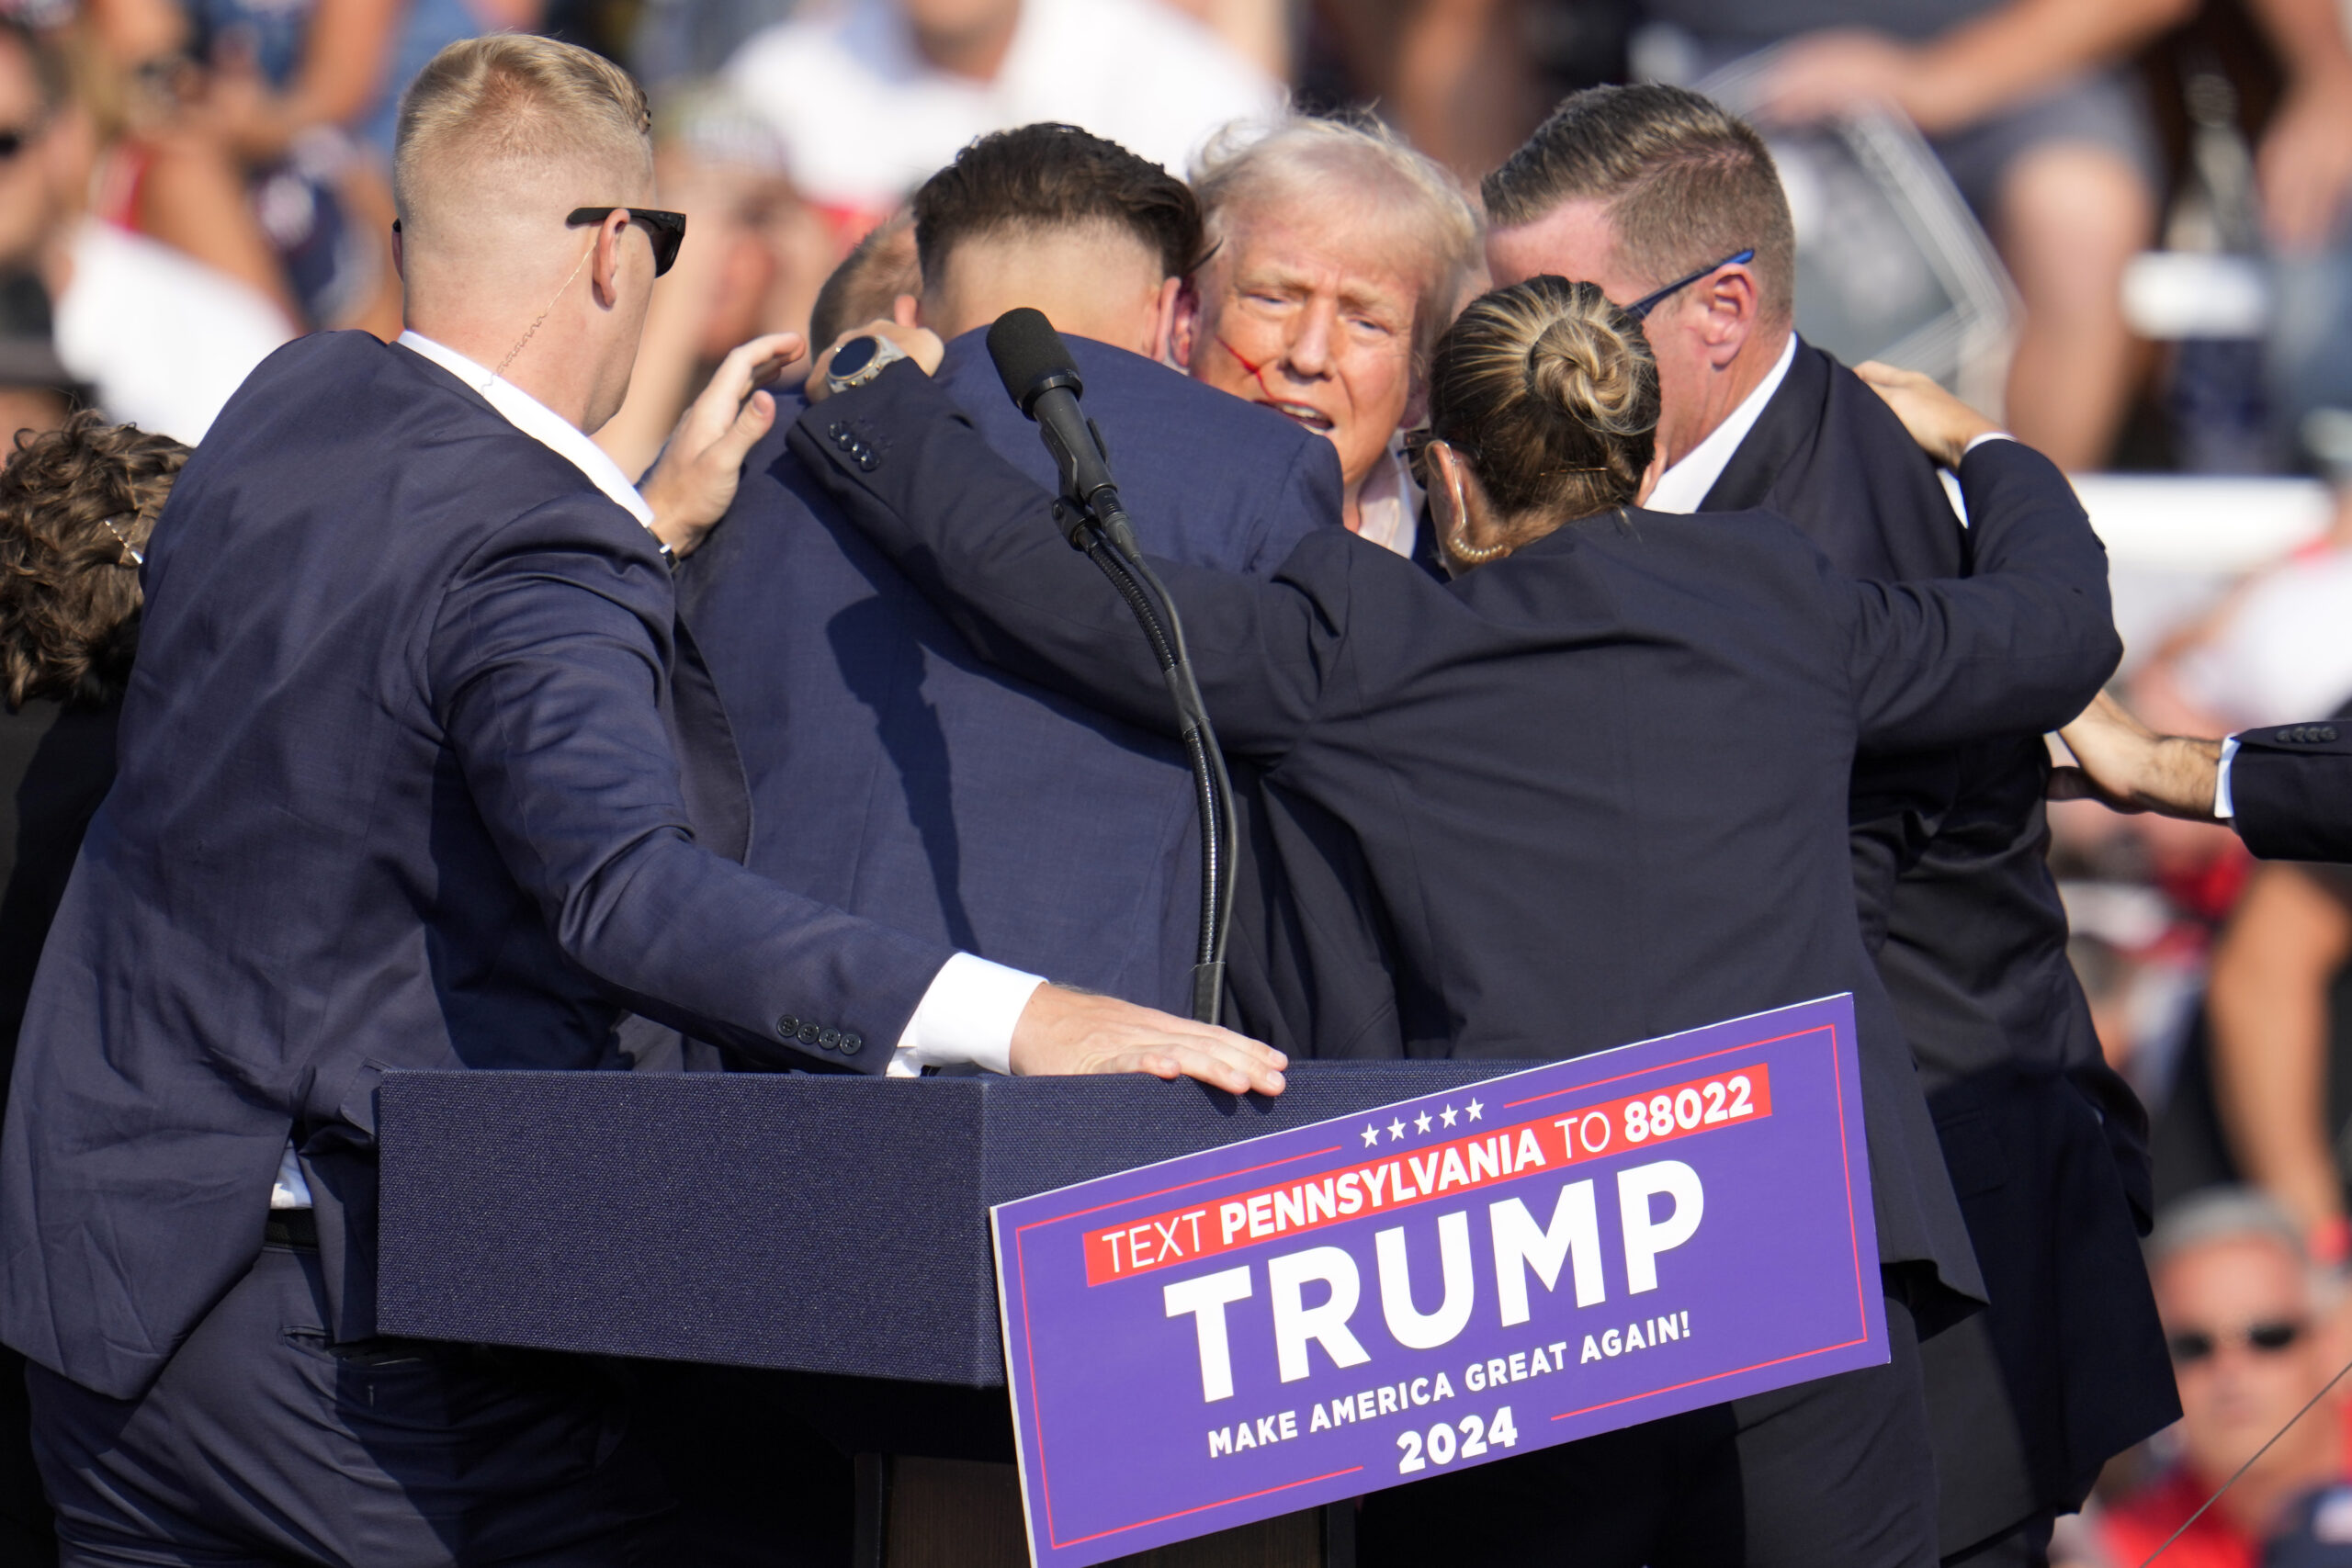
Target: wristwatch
x: 860, y: 360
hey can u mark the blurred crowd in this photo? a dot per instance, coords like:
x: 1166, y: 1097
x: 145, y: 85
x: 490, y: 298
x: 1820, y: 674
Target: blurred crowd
x: 184, y: 185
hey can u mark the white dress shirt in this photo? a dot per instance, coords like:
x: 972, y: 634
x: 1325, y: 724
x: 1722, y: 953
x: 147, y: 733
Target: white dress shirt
x: 1683, y: 488
x: 2225, y: 808
x: 968, y: 1013
x: 1388, y: 508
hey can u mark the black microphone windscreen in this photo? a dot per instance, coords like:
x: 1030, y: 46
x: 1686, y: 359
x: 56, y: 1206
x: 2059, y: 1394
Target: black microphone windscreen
x: 1027, y: 352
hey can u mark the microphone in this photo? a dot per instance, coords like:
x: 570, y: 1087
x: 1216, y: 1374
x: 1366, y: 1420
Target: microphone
x: 1041, y: 378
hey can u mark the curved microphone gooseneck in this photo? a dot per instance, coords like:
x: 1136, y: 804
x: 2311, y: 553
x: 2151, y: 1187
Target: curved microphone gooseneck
x: 1042, y: 378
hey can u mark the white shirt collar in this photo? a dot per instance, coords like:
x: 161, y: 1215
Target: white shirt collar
x: 1684, y: 487
x: 1388, y: 507
x: 538, y: 421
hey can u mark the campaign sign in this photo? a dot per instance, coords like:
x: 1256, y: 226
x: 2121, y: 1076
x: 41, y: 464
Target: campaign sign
x: 1452, y: 1279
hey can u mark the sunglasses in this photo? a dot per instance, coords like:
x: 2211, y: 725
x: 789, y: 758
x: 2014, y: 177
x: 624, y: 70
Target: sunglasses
x: 1640, y: 308
x: 666, y: 230
x: 13, y: 142
x: 2194, y: 1344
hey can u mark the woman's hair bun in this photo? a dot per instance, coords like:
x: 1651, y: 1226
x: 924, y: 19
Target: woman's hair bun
x: 1552, y: 391
x: 1588, y: 373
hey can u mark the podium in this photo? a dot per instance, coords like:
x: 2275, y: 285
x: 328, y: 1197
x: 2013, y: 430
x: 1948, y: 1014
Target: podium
x: 834, y: 1229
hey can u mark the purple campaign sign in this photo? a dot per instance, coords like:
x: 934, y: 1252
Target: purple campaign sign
x: 1321, y: 1313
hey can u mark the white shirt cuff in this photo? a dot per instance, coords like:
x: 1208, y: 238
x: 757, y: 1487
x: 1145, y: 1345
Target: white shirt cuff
x: 1979, y: 441
x: 2225, y: 808
x: 966, y: 1017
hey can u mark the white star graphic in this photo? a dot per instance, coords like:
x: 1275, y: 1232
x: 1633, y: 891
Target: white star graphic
x: 1396, y: 1131
x: 1474, y: 1109
x: 1447, y: 1115
x: 1370, y: 1134
x: 1422, y: 1121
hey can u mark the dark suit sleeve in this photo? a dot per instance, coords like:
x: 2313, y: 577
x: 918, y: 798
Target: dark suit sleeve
x: 546, y: 667
x: 977, y: 537
x: 2292, y: 789
x: 1312, y: 499
x: 2021, y: 647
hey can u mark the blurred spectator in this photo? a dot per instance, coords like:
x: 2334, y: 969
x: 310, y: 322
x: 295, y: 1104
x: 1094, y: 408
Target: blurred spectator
x: 754, y: 257
x: 2303, y: 170
x: 685, y: 40
x: 2252, y: 1343
x: 1337, y: 255
x: 1258, y: 31
x: 163, y: 339
x: 1458, y: 77
x: 2283, y: 1043
x: 2043, y: 133
x: 279, y: 71
x: 870, y: 96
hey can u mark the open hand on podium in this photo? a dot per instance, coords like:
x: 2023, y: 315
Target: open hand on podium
x: 1065, y: 1031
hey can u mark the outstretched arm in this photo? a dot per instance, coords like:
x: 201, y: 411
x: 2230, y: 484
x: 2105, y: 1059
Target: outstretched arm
x: 977, y: 537
x: 2020, y: 647
x: 546, y: 666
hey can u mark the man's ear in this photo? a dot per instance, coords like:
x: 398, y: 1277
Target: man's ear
x: 1163, y: 321
x: 1727, y: 313
x: 605, y: 271
x: 1184, y: 323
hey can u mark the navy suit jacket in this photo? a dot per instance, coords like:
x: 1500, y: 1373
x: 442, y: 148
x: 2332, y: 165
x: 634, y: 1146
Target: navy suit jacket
x: 1575, y: 772
x: 399, y: 785
x: 2047, y: 1147
x: 2292, y: 789
x: 896, y: 774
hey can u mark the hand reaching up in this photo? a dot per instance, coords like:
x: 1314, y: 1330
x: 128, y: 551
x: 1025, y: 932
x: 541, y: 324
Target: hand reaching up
x: 692, y: 483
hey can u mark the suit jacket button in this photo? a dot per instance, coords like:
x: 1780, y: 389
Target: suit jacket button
x: 829, y: 1038
x: 787, y: 1026
x: 852, y: 1045
x: 807, y: 1034
x: 2323, y: 732
x: 867, y: 462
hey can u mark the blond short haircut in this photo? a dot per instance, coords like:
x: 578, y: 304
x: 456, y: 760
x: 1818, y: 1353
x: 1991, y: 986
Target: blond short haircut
x: 1255, y: 164
x: 519, y: 102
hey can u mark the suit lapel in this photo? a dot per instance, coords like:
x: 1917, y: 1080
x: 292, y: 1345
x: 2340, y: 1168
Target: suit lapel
x: 1788, y: 422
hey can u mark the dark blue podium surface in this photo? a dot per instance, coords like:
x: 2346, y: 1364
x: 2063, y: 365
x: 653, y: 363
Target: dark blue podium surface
x: 804, y: 1224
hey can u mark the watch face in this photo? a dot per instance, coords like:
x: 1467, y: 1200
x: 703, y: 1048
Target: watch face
x: 854, y: 355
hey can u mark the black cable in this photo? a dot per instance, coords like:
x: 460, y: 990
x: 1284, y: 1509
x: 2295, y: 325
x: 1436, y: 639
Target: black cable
x: 1212, y: 785
x: 1123, y: 539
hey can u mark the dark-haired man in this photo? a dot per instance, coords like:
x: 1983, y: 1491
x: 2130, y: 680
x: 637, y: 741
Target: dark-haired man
x: 1674, y: 208
x: 954, y: 799
x: 891, y: 771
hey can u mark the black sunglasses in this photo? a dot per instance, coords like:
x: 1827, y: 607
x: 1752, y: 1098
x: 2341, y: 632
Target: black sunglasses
x: 2192, y: 1345
x: 666, y: 230
x: 13, y: 142
x: 1640, y: 308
